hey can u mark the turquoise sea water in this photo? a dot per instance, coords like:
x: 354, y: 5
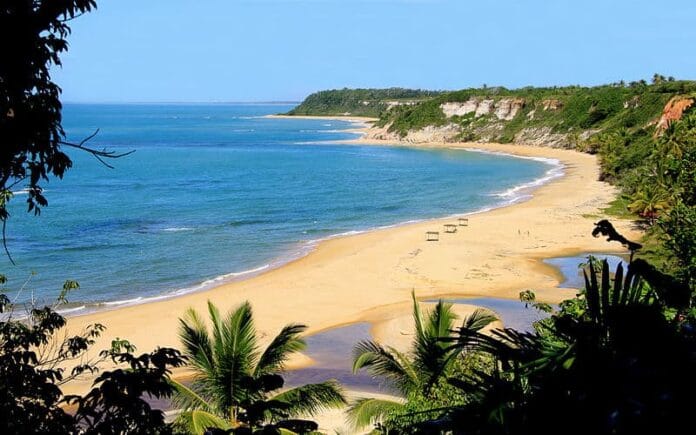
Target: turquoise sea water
x: 218, y: 192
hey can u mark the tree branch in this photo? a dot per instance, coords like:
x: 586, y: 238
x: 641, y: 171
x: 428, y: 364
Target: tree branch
x: 4, y: 242
x: 98, y: 154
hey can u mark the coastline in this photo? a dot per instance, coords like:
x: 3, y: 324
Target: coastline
x: 498, y: 255
x: 507, y: 197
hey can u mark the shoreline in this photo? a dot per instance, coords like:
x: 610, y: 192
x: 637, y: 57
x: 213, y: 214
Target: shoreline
x: 491, y: 258
x: 305, y: 248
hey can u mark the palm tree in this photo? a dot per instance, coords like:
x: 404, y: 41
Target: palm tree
x: 235, y: 384
x: 419, y: 370
x: 649, y: 201
x: 672, y: 142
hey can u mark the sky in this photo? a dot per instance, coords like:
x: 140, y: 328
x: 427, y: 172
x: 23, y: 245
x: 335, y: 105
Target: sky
x: 282, y: 50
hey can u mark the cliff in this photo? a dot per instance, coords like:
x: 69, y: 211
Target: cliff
x: 565, y: 117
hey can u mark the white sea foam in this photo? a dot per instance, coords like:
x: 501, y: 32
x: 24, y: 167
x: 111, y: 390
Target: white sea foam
x: 123, y: 301
x: 177, y: 229
x: 516, y: 190
x: 25, y: 191
x: 71, y: 310
x: 522, y: 191
x: 212, y: 282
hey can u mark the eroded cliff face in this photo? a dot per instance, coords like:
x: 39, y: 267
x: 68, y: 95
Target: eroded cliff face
x: 673, y: 111
x: 504, y: 109
x: 446, y: 133
x: 485, y: 120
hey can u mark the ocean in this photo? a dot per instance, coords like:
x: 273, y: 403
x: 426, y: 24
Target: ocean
x: 219, y: 192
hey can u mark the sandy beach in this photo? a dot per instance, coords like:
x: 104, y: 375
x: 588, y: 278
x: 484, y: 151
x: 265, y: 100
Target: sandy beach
x: 370, y: 276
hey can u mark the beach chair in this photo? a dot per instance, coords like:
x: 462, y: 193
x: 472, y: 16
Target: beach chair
x: 463, y: 222
x: 450, y: 228
x: 432, y: 236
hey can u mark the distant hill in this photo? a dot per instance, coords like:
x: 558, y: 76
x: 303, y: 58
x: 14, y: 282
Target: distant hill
x: 359, y: 102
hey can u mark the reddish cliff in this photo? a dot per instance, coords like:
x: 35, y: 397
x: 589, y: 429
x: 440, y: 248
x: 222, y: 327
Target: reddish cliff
x: 673, y: 111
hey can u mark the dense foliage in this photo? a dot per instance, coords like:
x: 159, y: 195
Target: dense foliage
x: 37, y: 357
x: 357, y: 102
x: 659, y: 187
x: 418, y: 375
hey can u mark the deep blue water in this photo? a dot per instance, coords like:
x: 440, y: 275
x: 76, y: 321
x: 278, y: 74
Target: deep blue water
x: 213, y: 191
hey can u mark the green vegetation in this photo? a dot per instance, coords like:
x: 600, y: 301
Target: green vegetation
x: 573, y: 110
x: 419, y: 375
x: 358, y: 102
x: 38, y: 357
x: 235, y: 385
x: 659, y: 188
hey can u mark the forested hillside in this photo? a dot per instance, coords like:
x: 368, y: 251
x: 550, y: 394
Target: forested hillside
x: 359, y: 102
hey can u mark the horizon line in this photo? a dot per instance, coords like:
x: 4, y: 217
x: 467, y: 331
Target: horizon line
x: 278, y: 102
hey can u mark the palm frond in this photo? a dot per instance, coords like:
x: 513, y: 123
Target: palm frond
x: 427, y: 346
x: 382, y: 362
x: 479, y: 319
x: 196, y: 341
x: 287, y: 342
x: 366, y: 411
x: 239, y: 331
x: 235, y: 350
x: 431, y: 353
x: 440, y: 320
x: 198, y: 422
x: 311, y: 399
x: 417, y: 316
x: 407, y: 365
x: 187, y: 399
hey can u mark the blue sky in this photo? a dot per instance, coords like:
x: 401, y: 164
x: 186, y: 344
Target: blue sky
x: 270, y: 50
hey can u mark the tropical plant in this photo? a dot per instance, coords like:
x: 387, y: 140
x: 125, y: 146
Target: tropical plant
x: 235, y: 384
x: 650, y: 201
x: 417, y: 373
x: 679, y: 233
x: 618, y: 359
x: 37, y: 357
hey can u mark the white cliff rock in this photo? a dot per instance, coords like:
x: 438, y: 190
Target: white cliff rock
x: 504, y: 109
x: 459, y: 109
x: 484, y: 108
